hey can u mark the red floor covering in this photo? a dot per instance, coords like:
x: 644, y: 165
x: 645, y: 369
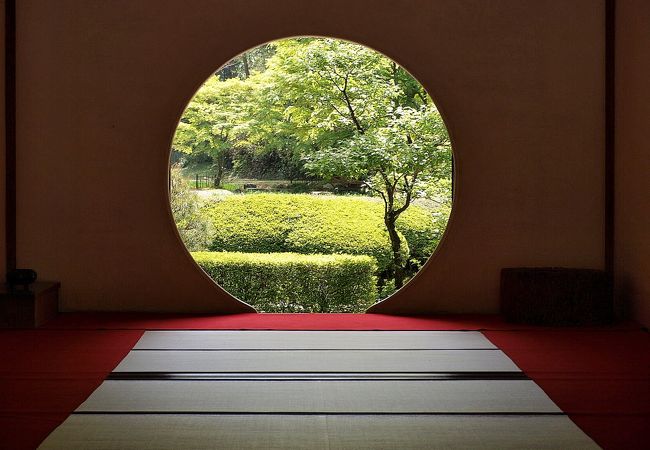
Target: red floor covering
x: 601, y: 379
x: 266, y: 321
x: 599, y: 376
x: 255, y: 321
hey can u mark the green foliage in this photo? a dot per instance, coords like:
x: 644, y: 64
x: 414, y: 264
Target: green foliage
x: 422, y: 227
x: 358, y: 115
x: 193, y: 225
x: 340, y: 225
x: 215, y: 121
x: 281, y: 163
x: 248, y: 223
x: 241, y: 66
x: 387, y: 289
x: 334, y: 110
x: 341, y: 108
x: 289, y: 282
x: 266, y: 223
x: 232, y: 187
x: 215, y: 117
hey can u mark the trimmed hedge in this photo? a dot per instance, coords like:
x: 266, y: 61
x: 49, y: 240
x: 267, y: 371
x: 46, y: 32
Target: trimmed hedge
x: 290, y: 282
x: 423, y: 229
x: 266, y: 223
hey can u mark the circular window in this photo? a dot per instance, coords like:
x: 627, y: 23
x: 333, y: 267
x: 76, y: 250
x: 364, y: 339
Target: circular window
x: 311, y: 174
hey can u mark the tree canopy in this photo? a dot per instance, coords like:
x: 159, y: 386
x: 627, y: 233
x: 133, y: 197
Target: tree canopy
x: 329, y: 108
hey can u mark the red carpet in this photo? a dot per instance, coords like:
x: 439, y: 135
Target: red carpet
x: 45, y: 375
x: 600, y: 376
x: 255, y: 321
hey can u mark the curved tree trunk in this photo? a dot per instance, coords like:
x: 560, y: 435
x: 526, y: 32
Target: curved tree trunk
x: 399, y: 264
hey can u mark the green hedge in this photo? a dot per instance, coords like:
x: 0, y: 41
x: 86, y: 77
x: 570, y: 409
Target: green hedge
x: 289, y: 282
x: 423, y: 229
x: 266, y: 223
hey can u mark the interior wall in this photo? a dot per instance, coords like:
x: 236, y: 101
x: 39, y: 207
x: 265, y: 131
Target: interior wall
x: 632, y: 224
x: 102, y: 84
x: 3, y: 252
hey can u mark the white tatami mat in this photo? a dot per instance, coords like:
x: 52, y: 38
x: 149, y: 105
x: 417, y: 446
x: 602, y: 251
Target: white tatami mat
x: 467, y: 396
x: 317, y: 432
x: 317, y: 390
x: 317, y: 361
x: 295, y: 340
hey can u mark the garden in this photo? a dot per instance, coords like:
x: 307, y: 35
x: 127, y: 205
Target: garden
x: 311, y: 175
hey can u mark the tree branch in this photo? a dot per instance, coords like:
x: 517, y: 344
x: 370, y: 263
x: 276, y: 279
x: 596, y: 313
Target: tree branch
x: 378, y: 191
x: 338, y: 110
x: 409, y: 193
x: 422, y: 97
x: 349, y: 105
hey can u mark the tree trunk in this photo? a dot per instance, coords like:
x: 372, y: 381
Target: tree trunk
x: 219, y: 163
x: 247, y: 72
x: 396, y: 246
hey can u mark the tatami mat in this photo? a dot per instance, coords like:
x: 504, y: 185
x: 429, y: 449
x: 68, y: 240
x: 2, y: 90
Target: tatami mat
x: 317, y: 390
x: 288, y: 340
x: 317, y: 361
x: 468, y: 396
x: 364, y: 432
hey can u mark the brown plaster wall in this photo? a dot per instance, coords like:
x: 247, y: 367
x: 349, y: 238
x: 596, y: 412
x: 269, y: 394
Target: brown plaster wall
x: 632, y: 225
x: 3, y: 253
x: 102, y: 84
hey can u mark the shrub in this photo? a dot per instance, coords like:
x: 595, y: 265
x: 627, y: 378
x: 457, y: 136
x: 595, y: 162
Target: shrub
x: 251, y: 223
x: 340, y: 225
x: 289, y: 282
x: 423, y: 228
x: 194, y: 227
x: 265, y: 223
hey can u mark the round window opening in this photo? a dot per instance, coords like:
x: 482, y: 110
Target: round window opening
x: 311, y: 174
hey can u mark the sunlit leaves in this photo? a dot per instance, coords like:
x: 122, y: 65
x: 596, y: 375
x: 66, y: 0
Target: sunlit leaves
x: 342, y: 109
x: 292, y: 282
